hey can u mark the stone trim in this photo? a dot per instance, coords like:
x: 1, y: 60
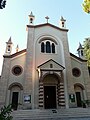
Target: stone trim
x: 61, y: 96
x: 41, y: 95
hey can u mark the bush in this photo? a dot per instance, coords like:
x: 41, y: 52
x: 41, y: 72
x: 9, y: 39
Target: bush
x: 6, y: 113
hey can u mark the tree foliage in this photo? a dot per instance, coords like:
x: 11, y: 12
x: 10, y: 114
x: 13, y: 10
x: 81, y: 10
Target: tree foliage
x: 2, y: 4
x: 6, y: 113
x: 86, y: 6
x: 87, y: 50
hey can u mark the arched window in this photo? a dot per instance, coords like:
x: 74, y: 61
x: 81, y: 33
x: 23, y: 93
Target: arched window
x: 48, y: 47
x: 42, y: 47
x: 82, y: 52
x: 53, y: 48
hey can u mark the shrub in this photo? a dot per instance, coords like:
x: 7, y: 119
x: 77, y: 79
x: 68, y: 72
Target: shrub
x: 6, y: 113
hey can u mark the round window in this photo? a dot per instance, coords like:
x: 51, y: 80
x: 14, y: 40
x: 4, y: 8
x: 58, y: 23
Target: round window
x: 76, y: 72
x: 17, y: 70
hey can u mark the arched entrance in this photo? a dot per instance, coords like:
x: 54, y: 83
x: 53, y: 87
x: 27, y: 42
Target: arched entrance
x: 79, y: 94
x: 51, y: 92
x: 15, y: 95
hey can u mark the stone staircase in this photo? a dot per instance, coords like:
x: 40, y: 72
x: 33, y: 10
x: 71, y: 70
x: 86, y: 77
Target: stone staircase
x: 54, y: 114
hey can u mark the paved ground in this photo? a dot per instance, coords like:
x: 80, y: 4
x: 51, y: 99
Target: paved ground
x: 84, y: 118
x: 75, y: 119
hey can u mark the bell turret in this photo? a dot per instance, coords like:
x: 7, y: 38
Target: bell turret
x: 31, y: 18
x: 80, y: 51
x: 8, y: 47
x: 62, y: 22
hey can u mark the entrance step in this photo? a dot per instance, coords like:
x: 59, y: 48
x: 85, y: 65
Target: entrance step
x: 54, y: 114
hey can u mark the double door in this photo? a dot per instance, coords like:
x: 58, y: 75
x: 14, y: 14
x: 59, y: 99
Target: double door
x: 49, y: 97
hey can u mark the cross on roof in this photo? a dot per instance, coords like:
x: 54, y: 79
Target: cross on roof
x: 47, y: 18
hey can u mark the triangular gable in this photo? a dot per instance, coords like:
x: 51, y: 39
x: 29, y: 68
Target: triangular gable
x: 47, y: 24
x: 51, y: 65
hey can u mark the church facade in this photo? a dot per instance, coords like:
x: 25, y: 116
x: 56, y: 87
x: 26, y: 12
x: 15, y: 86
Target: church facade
x: 45, y: 75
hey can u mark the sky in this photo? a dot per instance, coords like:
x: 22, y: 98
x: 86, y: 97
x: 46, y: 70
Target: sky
x: 14, y: 18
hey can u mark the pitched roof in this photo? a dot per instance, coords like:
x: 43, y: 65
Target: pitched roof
x: 78, y: 58
x: 15, y: 54
x: 24, y: 50
x: 47, y: 24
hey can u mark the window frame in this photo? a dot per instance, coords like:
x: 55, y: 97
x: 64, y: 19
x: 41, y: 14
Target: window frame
x: 13, y: 70
x: 74, y: 70
x: 48, y: 47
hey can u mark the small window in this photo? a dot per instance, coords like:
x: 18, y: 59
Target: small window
x: 89, y: 70
x: 62, y: 24
x: 53, y: 48
x: 48, y: 47
x: 31, y: 20
x: 42, y: 47
x: 9, y: 48
x: 82, y: 52
x: 51, y: 65
x: 76, y: 72
x: 17, y: 70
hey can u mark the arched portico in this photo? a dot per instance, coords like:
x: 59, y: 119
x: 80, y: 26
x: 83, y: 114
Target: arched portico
x: 51, y: 85
x: 51, y: 91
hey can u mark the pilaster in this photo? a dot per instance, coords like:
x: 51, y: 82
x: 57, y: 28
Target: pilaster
x: 4, y: 81
x: 68, y: 81
x: 28, y: 84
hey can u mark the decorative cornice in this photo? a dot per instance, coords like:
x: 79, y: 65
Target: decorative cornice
x: 48, y: 61
x: 47, y: 24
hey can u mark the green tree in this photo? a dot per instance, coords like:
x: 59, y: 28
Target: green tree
x: 6, y: 113
x: 86, y: 6
x: 2, y: 4
x: 87, y: 50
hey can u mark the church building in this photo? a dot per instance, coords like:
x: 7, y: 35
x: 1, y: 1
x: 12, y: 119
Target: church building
x: 45, y: 75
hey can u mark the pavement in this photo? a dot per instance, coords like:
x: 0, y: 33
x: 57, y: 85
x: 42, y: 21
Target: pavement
x: 84, y: 118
